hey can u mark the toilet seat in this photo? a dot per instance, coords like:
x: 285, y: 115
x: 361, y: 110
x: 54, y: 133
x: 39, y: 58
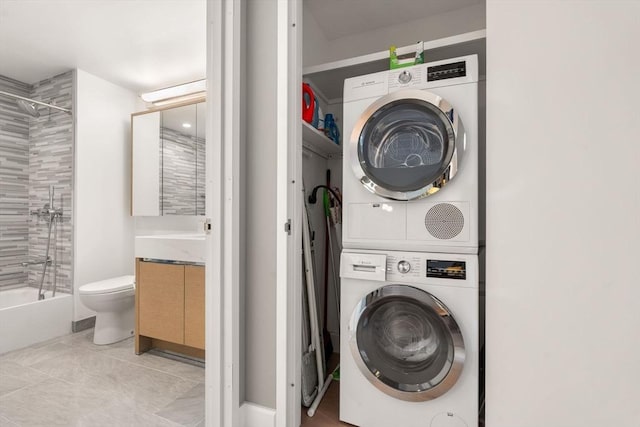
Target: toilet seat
x: 108, y: 286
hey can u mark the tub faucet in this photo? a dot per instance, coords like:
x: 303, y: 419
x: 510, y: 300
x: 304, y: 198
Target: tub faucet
x: 25, y: 264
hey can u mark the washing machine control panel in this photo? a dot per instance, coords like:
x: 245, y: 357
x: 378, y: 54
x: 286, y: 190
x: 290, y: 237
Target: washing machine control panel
x: 399, y: 267
x: 422, y: 268
x: 443, y: 269
x: 405, y: 77
x: 411, y: 77
x: 404, y: 267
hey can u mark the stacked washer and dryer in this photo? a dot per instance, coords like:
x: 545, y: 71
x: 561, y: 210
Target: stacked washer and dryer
x: 409, y: 269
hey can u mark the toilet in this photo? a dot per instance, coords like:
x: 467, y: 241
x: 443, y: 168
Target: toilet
x: 113, y: 300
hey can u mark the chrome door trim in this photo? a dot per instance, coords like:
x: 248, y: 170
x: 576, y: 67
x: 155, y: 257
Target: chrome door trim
x: 449, y: 374
x: 446, y: 112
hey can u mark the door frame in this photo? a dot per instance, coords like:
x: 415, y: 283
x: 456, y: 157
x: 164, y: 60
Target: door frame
x: 223, y: 148
x: 289, y: 211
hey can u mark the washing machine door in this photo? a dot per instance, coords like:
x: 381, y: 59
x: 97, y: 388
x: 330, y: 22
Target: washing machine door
x: 407, y: 145
x: 406, y: 343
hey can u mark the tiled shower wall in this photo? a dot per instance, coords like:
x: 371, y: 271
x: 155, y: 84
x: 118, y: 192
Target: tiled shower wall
x: 47, y: 160
x: 182, y: 190
x: 14, y: 186
x: 51, y: 164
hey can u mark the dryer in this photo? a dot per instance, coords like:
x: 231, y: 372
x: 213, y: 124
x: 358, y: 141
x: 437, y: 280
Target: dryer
x: 409, y: 339
x: 411, y: 158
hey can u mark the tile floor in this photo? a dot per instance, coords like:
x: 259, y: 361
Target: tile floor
x: 69, y: 381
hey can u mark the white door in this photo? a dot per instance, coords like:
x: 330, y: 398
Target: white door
x: 289, y: 213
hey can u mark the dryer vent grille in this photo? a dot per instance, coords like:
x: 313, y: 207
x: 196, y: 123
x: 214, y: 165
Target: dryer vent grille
x: 444, y: 221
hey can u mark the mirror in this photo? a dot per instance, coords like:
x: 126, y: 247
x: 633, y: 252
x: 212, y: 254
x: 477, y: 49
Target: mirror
x: 168, y: 167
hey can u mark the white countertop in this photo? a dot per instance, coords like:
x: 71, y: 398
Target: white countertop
x: 186, y: 247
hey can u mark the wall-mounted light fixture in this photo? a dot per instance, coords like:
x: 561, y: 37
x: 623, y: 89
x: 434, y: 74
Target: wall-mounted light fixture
x: 183, y: 92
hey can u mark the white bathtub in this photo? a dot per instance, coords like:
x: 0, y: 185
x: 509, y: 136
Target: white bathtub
x: 25, y: 321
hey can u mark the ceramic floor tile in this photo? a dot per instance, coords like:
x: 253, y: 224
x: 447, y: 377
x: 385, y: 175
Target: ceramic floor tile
x: 187, y: 409
x: 14, y: 377
x: 77, y: 364
x: 149, y: 389
x: 79, y: 339
x: 69, y: 381
x: 50, y: 403
x: 31, y: 355
x: 123, y: 414
x: 125, y: 351
x: 4, y: 422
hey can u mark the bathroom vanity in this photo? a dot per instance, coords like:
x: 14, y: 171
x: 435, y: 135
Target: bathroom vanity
x: 170, y: 294
x: 168, y: 182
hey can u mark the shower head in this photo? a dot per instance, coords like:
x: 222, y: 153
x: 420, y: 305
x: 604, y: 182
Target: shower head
x: 28, y: 108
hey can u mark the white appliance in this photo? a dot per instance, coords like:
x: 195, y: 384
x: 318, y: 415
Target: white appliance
x: 409, y: 339
x: 411, y: 158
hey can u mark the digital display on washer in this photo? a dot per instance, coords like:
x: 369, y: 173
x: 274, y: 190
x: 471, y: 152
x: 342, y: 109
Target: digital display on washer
x: 446, y: 269
x: 447, y: 71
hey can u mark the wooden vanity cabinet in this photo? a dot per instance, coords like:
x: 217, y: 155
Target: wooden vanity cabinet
x: 194, y: 306
x: 170, y: 311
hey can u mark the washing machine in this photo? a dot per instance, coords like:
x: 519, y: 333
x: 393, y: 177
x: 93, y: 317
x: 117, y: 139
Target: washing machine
x: 410, y: 158
x: 409, y: 339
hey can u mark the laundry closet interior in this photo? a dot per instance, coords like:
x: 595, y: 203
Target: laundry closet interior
x: 332, y: 53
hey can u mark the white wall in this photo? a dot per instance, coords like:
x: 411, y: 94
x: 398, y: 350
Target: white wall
x: 318, y: 49
x: 260, y: 208
x: 563, y: 232
x: 103, y: 232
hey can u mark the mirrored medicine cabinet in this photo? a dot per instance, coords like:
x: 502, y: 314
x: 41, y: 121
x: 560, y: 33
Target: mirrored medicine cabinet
x: 168, y: 160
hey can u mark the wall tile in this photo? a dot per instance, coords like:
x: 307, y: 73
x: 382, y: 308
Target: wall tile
x: 51, y: 164
x: 14, y: 185
x: 35, y: 153
x: 182, y: 166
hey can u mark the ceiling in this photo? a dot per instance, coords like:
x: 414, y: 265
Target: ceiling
x: 138, y: 44
x: 144, y: 45
x: 341, y: 18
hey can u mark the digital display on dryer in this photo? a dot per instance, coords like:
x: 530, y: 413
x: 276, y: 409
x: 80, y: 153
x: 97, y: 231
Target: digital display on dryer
x: 447, y: 269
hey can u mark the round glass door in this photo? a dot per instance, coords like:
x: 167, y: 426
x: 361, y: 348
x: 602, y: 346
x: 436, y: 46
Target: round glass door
x: 404, y: 145
x: 406, y: 342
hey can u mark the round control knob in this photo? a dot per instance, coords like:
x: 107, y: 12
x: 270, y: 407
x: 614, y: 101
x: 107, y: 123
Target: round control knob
x: 405, y: 77
x: 404, y: 267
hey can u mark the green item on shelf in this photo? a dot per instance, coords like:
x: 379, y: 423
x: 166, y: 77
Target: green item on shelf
x: 396, y: 61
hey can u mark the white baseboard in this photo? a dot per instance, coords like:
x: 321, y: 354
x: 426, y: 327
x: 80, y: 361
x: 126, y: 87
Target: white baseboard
x: 253, y: 415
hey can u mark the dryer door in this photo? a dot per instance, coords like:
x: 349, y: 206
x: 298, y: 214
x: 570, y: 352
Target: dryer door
x: 407, y: 145
x: 406, y: 343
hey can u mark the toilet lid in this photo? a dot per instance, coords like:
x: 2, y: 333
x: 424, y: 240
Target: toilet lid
x: 115, y: 284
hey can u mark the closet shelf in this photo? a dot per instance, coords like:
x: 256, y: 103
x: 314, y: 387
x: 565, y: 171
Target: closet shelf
x: 329, y: 78
x: 317, y: 142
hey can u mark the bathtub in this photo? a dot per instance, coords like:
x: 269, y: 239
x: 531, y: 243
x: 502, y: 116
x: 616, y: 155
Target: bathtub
x: 25, y: 321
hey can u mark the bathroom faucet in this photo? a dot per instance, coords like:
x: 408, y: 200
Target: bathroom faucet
x: 25, y: 264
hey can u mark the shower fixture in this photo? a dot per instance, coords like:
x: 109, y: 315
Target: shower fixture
x: 53, y: 217
x: 29, y: 106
